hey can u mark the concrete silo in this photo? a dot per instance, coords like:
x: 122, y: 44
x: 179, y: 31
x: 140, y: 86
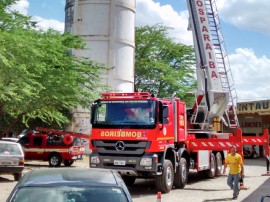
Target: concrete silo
x: 108, y: 27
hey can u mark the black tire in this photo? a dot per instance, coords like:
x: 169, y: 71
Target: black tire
x: 211, y: 172
x: 55, y: 160
x: 68, y: 162
x: 17, y: 176
x: 218, y: 164
x: 181, y: 175
x: 164, y: 182
x: 129, y: 180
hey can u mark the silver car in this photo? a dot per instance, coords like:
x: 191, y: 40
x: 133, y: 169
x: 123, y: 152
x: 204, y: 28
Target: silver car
x: 70, y: 185
x: 11, y: 159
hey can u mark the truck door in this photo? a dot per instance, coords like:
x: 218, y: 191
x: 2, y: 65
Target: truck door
x: 25, y: 142
x: 37, y: 148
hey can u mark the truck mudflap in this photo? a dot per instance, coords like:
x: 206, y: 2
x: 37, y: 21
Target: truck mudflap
x: 132, y: 166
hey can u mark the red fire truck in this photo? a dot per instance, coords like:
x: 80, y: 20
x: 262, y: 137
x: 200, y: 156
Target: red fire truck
x: 142, y: 136
x: 54, y: 146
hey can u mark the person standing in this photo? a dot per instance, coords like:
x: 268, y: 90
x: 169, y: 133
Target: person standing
x: 235, y: 162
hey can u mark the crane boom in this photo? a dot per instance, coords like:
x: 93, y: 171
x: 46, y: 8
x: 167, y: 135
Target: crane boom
x: 214, y: 92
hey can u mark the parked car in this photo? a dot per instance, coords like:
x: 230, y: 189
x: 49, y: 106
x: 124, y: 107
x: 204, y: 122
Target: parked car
x: 70, y: 185
x: 11, y: 159
x: 11, y: 139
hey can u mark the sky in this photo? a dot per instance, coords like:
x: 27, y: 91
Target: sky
x: 245, y: 26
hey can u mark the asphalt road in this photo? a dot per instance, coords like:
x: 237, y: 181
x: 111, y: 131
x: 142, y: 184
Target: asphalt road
x: 198, y: 189
x: 201, y: 189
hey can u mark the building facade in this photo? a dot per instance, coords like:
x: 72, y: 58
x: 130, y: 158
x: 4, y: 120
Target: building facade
x: 254, y: 117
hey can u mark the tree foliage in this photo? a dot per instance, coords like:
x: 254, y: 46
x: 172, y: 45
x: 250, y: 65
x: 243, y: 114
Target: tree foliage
x: 40, y: 78
x: 163, y: 66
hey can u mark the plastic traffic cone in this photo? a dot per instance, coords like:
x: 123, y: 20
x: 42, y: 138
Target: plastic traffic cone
x: 159, y: 197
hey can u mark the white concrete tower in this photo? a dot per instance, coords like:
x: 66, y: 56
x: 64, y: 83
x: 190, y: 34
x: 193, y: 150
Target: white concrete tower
x: 108, y: 27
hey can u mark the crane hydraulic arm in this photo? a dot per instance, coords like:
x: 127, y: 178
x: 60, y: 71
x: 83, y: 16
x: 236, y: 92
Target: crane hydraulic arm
x: 212, y: 97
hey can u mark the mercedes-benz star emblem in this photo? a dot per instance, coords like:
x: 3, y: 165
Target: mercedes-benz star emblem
x: 120, y: 146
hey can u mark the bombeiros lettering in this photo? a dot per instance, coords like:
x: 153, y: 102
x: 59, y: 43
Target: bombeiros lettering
x: 206, y: 38
x: 131, y: 134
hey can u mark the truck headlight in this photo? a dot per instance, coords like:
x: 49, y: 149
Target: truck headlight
x: 94, y: 160
x: 146, y: 162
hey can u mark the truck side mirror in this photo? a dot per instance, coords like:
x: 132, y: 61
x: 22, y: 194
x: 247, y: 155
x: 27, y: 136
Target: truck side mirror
x: 93, y: 112
x: 165, y: 114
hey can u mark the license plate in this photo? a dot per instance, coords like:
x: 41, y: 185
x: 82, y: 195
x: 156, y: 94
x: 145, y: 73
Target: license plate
x: 119, y: 163
x: 6, y: 163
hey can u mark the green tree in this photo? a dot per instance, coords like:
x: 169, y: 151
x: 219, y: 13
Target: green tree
x: 40, y: 79
x: 163, y: 66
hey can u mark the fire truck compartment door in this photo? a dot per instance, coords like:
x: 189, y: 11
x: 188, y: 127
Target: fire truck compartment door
x: 203, y: 160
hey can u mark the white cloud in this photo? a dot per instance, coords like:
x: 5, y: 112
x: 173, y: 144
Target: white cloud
x: 45, y: 24
x: 150, y: 13
x: 251, y: 74
x: 21, y: 6
x: 246, y: 14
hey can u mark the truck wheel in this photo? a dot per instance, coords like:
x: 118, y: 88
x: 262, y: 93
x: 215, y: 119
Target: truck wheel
x: 164, y: 182
x: 181, y: 176
x: 17, y: 176
x: 55, y: 160
x: 219, y: 164
x: 68, y: 162
x: 129, y: 180
x: 211, y: 172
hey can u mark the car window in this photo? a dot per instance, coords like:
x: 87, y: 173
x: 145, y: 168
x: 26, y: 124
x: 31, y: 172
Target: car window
x: 24, y: 141
x: 70, y: 194
x: 37, y: 141
x: 55, y: 140
x: 9, y: 149
x: 77, y: 141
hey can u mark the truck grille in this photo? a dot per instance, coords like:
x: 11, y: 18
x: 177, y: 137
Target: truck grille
x: 105, y: 147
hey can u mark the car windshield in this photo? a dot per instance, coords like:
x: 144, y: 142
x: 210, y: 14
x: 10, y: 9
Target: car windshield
x: 69, y: 194
x: 125, y: 113
x: 9, y: 149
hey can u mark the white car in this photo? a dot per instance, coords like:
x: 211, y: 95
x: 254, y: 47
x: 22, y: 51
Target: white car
x: 11, y: 159
x: 11, y: 139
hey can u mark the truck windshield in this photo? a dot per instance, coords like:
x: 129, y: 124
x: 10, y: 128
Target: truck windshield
x: 125, y: 114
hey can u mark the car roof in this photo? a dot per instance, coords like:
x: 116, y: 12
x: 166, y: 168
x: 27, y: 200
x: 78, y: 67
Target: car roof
x: 8, y: 142
x: 14, y: 139
x: 70, y: 177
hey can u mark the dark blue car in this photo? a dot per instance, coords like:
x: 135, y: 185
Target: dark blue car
x: 70, y: 185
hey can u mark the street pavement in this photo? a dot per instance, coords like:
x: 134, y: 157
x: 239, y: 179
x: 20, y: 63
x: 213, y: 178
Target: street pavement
x: 198, y: 189
x: 201, y: 189
x: 263, y: 190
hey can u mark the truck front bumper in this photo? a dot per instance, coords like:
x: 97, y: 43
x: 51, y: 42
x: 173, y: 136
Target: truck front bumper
x: 132, y: 166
